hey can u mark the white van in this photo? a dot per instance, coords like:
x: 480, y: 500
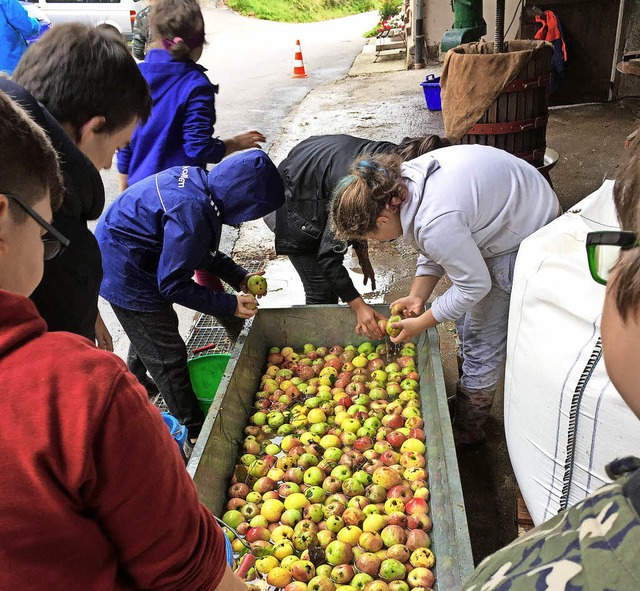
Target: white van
x: 118, y: 13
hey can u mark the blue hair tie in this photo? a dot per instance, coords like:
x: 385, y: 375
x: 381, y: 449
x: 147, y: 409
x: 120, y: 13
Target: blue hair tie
x: 366, y: 165
x: 344, y: 183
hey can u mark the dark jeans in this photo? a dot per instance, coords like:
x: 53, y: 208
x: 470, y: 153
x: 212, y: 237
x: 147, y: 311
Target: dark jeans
x: 157, y: 347
x: 316, y: 288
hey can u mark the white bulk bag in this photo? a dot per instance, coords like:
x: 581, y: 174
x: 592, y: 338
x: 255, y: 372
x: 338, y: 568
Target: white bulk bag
x: 564, y: 420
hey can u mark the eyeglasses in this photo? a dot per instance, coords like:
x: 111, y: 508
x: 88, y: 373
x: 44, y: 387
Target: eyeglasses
x: 54, y: 242
x: 603, y: 249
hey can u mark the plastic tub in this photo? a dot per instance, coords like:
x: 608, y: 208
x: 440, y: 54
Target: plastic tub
x: 178, y: 431
x: 206, y: 373
x: 431, y: 88
x: 227, y: 545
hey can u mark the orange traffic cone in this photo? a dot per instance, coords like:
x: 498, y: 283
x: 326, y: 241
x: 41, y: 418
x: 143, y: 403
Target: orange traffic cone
x: 298, y: 64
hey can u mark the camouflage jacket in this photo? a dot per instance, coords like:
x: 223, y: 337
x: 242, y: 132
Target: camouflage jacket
x: 592, y: 546
x: 141, y: 33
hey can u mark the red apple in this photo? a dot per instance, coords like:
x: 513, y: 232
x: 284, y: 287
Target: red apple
x: 401, y: 492
x: 396, y: 438
x: 418, y: 538
x: 416, y: 505
x: 419, y: 521
x: 395, y: 421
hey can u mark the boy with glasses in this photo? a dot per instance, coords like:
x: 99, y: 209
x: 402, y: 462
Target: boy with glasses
x: 593, y: 545
x: 93, y: 490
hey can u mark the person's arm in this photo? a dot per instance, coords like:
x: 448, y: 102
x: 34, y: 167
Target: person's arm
x: 463, y: 262
x: 140, y: 34
x: 450, y: 244
x: 123, y: 182
x: 197, y: 131
x: 18, y: 17
x: 164, y: 545
x: 123, y: 159
x: 244, y: 141
x: 330, y: 258
x: 103, y: 336
x: 224, y: 267
x: 185, y: 248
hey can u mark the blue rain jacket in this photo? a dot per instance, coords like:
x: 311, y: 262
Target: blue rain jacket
x: 15, y: 26
x: 180, y: 129
x: 160, y: 230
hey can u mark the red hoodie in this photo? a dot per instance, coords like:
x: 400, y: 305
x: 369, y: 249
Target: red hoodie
x: 93, y: 492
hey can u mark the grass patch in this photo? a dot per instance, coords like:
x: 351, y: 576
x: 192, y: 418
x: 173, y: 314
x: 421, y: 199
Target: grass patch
x: 302, y: 11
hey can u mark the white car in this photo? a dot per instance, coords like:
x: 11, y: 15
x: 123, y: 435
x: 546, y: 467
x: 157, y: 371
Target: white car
x: 118, y: 13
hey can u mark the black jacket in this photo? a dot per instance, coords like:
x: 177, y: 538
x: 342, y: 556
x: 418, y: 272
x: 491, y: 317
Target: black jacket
x: 310, y: 173
x: 67, y: 297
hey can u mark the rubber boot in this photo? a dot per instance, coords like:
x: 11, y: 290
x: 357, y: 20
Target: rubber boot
x: 473, y: 408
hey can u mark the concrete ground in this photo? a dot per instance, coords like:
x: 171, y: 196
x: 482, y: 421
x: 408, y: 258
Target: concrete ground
x: 380, y: 102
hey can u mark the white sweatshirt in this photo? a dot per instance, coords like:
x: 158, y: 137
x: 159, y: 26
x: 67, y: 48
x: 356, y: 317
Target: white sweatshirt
x: 465, y: 204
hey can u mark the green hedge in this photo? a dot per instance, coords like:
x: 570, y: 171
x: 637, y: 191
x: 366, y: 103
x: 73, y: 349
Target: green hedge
x: 302, y: 11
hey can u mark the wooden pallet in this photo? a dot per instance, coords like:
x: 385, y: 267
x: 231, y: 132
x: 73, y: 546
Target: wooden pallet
x: 523, y: 517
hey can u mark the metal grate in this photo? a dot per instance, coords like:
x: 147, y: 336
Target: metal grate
x: 207, y: 331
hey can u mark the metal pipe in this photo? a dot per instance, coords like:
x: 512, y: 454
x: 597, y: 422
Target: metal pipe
x: 498, y: 46
x: 419, y: 55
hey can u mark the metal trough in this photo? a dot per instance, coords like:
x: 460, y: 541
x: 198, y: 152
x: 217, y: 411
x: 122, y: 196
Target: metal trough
x: 218, y: 448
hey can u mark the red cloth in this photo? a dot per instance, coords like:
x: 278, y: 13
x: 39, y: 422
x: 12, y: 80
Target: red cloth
x: 93, y: 492
x: 208, y: 279
x: 550, y: 30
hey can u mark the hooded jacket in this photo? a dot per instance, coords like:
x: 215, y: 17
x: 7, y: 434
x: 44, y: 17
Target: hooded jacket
x: 15, y: 26
x: 180, y: 129
x: 67, y: 297
x: 83, y: 453
x: 310, y: 173
x: 466, y: 204
x: 158, y: 232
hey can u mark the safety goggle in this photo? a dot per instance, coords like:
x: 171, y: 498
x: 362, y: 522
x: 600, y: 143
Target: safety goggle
x: 603, y: 249
x: 54, y: 242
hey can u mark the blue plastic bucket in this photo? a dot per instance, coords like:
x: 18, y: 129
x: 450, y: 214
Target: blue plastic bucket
x: 431, y: 88
x: 229, y: 549
x: 178, y: 431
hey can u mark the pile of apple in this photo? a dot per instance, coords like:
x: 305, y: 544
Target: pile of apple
x: 331, y: 490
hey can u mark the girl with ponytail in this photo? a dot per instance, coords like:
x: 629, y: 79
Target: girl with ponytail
x: 180, y: 129
x: 465, y: 209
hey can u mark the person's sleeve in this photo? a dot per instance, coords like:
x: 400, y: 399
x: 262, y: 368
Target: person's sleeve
x: 425, y: 266
x: 140, y: 30
x: 226, y: 269
x: 145, y: 502
x: 330, y: 258
x: 200, y: 117
x: 124, y: 158
x: 19, y: 19
x: 185, y: 249
x: 450, y: 245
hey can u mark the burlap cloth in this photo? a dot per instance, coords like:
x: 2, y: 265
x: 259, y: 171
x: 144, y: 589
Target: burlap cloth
x: 473, y: 77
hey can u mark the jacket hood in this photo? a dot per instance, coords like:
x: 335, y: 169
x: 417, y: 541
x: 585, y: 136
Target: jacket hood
x: 83, y: 188
x: 245, y: 187
x: 161, y: 70
x: 19, y: 320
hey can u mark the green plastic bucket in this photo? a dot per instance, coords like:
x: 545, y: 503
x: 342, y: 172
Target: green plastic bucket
x: 206, y: 373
